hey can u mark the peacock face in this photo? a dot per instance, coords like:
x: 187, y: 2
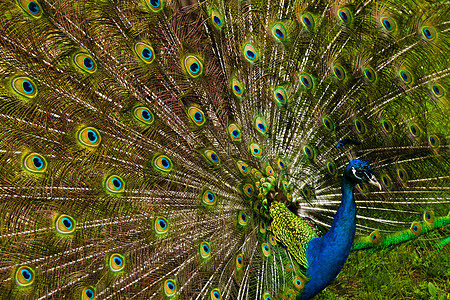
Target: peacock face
x: 360, y: 171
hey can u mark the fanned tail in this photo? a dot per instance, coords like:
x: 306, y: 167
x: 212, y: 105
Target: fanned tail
x: 139, y: 139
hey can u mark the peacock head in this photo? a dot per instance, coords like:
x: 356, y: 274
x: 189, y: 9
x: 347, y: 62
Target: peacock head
x: 358, y: 171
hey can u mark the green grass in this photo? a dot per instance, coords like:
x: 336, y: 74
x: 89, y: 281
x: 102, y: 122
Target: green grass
x: 416, y: 269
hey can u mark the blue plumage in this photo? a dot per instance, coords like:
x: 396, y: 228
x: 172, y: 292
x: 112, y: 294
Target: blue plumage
x: 327, y: 255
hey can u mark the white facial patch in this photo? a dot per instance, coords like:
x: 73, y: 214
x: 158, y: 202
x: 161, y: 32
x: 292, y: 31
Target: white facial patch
x: 354, y: 173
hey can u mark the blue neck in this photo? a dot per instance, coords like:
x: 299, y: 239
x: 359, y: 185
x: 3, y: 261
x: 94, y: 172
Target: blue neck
x: 327, y: 255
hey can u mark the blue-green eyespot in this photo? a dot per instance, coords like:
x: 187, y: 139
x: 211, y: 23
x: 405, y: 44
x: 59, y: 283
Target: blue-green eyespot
x: 145, y: 52
x: 250, y: 53
x: 85, y: 62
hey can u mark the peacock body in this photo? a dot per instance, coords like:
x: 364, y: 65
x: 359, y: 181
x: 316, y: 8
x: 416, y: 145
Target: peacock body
x: 156, y: 149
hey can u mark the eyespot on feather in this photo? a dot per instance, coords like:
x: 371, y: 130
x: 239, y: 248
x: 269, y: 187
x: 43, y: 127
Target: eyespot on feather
x: 261, y: 125
x: 193, y: 66
x: 24, y: 276
x: 24, y: 86
x: 331, y: 168
x: 215, y: 294
x: 308, y: 21
x: 196, y: 115
x: 262, y: 227
x: 116, y: 262
x: 237, y: 87
x: 416, y: 228
x: 299, y: 283
x: 114, y: 184
x: 256, y: 173
x: 437, y: 90
x: 145, y: 52
x: 269, y: 170
x: 155, y: 5
x: 339, y: 72
x: 360, y: 126
x: 65, y: 224
x: 362, y: 188
x: 345, y: 15
x: 405, y: 76
x: 388, y: 24
x: 306, y: 81
x: 370, y: 74
x: 280, y: 96
x: 248, y: 190
x: 289, y: 294
x: 170, y: 287
x: 433, y: 141
x: 89, y: 293
x: 163, y: 163
x: 212, y: 157
x: 35, y: 163
x: 32, y: 7
x: 265, y: 250
x: 272, y: 240
x: 402, y: 174
x: 428, y: 217
x: 306, y: 191
x: 209, y: 198
x: 328, y: 123
x: 239, y: 262
x: 279, y: 32
x: 387, y: 126
x: 85, y: 62
x: 161, y: 225
x: 256, y: 206
x: 296, y: 203
x: 414, y: 130
x: 255, y: 150
x: 267, y: 296
x: 386, y: 181
x: 216, y: 18
x: 250, y: 53
x: 289, y: 267
x: 281, y: 164
x: 375, y: 237
x: 205, y: 250
x: 89, y: 137
x: 428, y: 33
x: 242, y: 218
x: 258, y: 185
x: 234, y: 131
x: 143, y: 115
x: 309, y: 152
x: 289, y: 197
x: 242, y: 167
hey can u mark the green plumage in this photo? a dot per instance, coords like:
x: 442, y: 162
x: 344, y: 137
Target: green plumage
x: 179, y: 149
x: 291, y: 231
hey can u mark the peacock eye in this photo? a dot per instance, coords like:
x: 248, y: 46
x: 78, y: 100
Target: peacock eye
x: 360, y: 174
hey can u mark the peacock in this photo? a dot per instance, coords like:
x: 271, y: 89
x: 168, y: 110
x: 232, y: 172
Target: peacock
x: 239, y: 149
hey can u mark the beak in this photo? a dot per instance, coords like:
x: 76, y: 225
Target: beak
x: 374, y: 181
